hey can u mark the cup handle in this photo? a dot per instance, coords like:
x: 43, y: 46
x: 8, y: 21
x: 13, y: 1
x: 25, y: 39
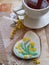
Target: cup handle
x: 20, y: 12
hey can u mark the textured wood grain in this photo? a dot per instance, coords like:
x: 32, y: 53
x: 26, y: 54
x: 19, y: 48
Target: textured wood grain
x: 47, y: 34
x: 6, y: 45
x: 12, y: 59
x: 3, y: 57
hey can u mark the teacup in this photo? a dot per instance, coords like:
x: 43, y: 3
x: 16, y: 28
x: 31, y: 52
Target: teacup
x: 34, y: 13
x: 36, y: 18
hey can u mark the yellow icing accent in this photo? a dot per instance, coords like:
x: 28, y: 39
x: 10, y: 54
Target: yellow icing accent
x: 26, y: 39
x: 30, y: 56
x: 32, y: 49
x: 20, y: 51
x: 18, y: 46
x: 32, y: 43
x: 25, y: 56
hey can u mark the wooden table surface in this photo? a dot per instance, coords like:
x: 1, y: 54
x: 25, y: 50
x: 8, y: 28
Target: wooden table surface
x: 7, y: 56
x: 2, y: 54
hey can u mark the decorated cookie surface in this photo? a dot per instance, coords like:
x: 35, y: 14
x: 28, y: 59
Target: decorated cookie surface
x: 28, y: 47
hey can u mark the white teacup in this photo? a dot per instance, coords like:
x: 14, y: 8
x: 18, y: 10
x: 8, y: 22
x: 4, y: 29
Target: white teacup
x: 34, y: 13
x: 36, y: 18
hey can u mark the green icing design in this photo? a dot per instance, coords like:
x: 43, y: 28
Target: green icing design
x: 26, y: 50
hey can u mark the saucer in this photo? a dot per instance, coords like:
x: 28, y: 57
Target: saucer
x: 37, y: 23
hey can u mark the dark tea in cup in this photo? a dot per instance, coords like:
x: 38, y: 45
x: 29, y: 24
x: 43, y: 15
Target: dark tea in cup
x: 37, y: 4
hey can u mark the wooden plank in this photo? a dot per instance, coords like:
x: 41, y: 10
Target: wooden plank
x: 47, y: 34
x: 3, y: 57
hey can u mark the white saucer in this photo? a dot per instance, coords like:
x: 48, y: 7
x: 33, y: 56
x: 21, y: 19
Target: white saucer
x: 37, y: 23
